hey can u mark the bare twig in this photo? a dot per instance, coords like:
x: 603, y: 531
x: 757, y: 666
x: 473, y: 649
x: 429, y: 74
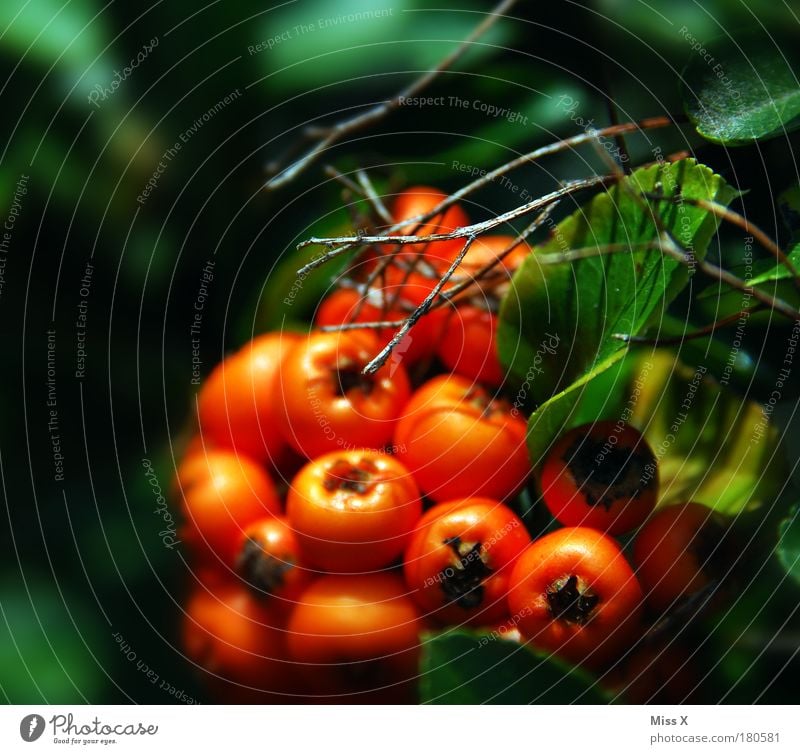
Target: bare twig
x: 447, y: 296
x: 613, y: 117
x: 346, y: 181
x: 351, y: 186
x: 372, y: 195
x: 669, y: 246
x: 387, y: 303
x: 336, y: 132
x: 422, y: 309
x: 341, y: 244
x: 672, y: 248
x: 451, y: 293
x: 686, y: 256
x: 585, y: 252
x: 372, y: 325
x: 572, y: 141
x: 701, y: 332
x: 645, y: 124
x: 733, y: 217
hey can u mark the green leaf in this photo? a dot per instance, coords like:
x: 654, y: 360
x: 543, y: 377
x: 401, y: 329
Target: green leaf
x: 580, y: 305
x: 564, y: 409
x: 778, y: 271
x: 71, y: 37
x: 469, y: 667
x: 712, y: 447
x: 774, y: 279
x: 48, y: 30
x: 318, y: 43
x: 788, y: 549
x: 738, y: 94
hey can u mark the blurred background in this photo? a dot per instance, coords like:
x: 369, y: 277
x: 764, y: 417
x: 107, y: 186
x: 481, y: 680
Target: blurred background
x: 136, y: 139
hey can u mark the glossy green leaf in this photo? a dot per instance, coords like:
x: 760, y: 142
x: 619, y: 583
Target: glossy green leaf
x: 567, y: 408
x: 738, y: 94
x: 319, y: 43
x: 47, y: 30
x: 469, y: 667
x: 720, y: 300
x: 788, y: 549
x: 558, y: 320
x: 778, y: 271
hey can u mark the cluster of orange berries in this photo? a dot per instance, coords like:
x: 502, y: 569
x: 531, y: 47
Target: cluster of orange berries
x: 333, y: 516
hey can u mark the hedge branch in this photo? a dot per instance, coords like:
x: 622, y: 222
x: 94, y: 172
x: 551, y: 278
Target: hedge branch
x: 339, y: 130
x: 422, y: 309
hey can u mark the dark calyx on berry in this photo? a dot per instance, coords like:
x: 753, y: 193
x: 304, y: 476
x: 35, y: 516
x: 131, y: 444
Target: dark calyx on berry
x: 347, y: 376
x: 358, y: 478
x: 488, y: 405
x: 568, y: 601
x: 462, y: 582
x: 604, y: 475
x: 263, y: 572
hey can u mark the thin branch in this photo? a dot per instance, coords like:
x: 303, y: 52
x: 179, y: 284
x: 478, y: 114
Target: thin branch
x: 530, y: 157
x: 349, y: 188
x: 372, y: 325
x: 422, y: 309
x: 450, y: 294
x: 686, y: 256
x: 693, y: 335
x: 681, y: 154
x: 584, y: 137
x: 672, y: 248
x: 572, y: 141
x: 359, y: 190
x: 613, y: 117
x: 380, y: 272
x: 669, y: 246
x: 671, y: 157
x: 372, y: 195
x: 586, y: 252
x: 365, y: 189
x: 341, y: 244
x: 740, y: 221
x: 347, y: 182
x: 377, y: 113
